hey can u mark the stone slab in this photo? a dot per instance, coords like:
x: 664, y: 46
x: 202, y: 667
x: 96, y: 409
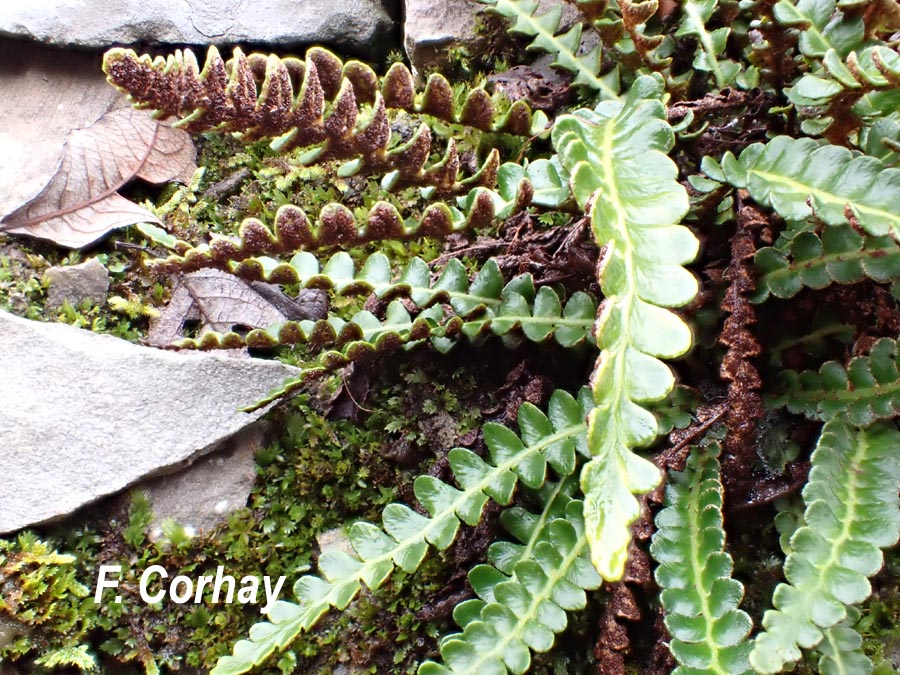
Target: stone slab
x: 85, y: 415
x: 88, y: 23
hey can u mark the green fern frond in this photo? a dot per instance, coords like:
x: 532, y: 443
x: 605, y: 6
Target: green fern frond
x: 852, y: 511
x: 522, y: 610
x: 839, y: 255
x: 695, y: 14
x: 833, y: 96
x: 565, y: 47
x: 619, y: 172
x: 799, y: 178
x: 403, y: 542
x: 822, y: 26
x: 487, y: 303
x: 709, y: 633
x: 841, y: 649
x: 867, y: 390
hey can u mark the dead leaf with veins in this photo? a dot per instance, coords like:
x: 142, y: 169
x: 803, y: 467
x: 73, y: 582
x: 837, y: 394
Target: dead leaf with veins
x: 221, y: 302
x: 80, y: 203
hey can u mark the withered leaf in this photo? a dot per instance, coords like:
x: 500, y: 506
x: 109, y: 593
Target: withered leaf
x: 80, y: 203
x: 221, y: 302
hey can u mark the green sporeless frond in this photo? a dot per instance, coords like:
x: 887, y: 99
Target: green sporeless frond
x: 709, y: 632
x: 521, y: 609
x: 710, y: 58
x: 565, y: 47
x: 822, y: 26
x: 405, y: 535
x: 810, y: 260
x: 618, y: 171
x: 868, y: 389
x: 799, y: 177
x: 852, y: 512
x: 841, y: 649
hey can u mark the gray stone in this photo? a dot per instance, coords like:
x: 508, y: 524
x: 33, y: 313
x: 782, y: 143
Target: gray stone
x: 75, y: 283
x: 87, y: 23
x: 46, y: 93
x: 202, y: 495
x: 432, y: 28
x: 86, y: 415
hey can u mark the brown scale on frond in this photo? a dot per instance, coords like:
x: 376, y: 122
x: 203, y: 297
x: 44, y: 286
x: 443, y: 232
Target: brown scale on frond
x: 745, y: 408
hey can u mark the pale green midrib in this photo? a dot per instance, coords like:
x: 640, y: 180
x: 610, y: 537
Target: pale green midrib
x: 861, y: 255
x: 523, y: 620
x: 827, y: 197
x: 545, y: 517
x: 697, y: 572
x: 571, y: 58
x: 627, y: 249
x: 706, y: 40
x: 855, y: 394
x: 810, y: 593
x: 836, y: 652
x: 421, y: 536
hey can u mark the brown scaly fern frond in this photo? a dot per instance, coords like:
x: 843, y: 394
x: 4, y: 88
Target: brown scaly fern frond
x: 316, y: 104
x: 336, y: 225
x: 745, y: 407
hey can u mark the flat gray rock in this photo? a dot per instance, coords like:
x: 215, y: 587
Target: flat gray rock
x: 87, y: 23
x: 84, y: 415
x: 75, y: 283
x: 202, y: 496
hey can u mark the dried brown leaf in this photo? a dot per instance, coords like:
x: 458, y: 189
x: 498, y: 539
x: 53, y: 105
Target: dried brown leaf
x: 80, y: 203
x: 219, y: 301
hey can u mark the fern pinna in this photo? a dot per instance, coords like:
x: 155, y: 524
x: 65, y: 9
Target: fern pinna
x: 776, y: 148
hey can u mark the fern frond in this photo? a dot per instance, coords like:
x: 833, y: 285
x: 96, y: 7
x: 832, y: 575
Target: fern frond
x: 709, y: 58
x: 709, y: 633
x: 485, y: 304
x: 564, y: 48
x: 841, y: 649
x: 867, y: 390
x: 838, y: 255
x: 521, y: 611
x: 852, y: 510
x: 337, y: 226
x: 830, y: 97
x: 799, y: 178
x: 821, y: 26
x: 619, y: 172
x: 405, y: 535
x: 262, y: 96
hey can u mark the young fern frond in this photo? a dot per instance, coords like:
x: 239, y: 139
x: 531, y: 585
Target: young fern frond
x: 867, y: 390
x: 799, y: 178
x: 709, y: 633
x: 521, y: 609
x: 839, y: 255
x: 564, y: 48
x: 852, y: 511
x: 405, y: 535
x: 619, y: 172
x: 695, y: 14
x: 821, y: 25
